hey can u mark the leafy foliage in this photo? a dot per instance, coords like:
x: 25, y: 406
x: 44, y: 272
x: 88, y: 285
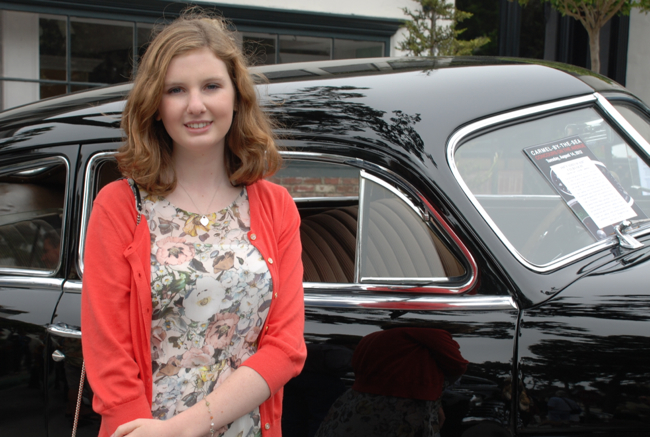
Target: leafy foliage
x: 593, y: 15
x: 428, y: 37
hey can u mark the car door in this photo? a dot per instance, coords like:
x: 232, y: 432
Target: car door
x: 35, y: 198
x: 381, y: 262
x: 416, y: 273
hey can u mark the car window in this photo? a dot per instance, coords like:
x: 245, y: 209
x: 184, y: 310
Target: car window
x: 397, y: 244
x: 32, y: 200
x: 527, y: 203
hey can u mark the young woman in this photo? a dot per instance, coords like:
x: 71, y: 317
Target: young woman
x: 192, y: 303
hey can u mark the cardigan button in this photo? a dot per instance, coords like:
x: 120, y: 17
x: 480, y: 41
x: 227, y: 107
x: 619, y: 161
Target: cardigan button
x: 276, y: 295
x: 253, y: 237
x: 270, y: 260
x: 267, y: 328
x: 267, y: 426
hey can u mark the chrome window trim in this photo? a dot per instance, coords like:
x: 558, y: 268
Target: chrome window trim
x: 622, y: 122
x: 456, y: 139
x: 32, y: 283
x: 425, y: 302
x: 13, y: 168
x: 324, y: 199
x: 392, y: 189
x: 359, y: 251
x: 86, y: 203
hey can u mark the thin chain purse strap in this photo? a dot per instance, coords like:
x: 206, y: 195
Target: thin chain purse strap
x: 79, y: 397
x: 138, y: 199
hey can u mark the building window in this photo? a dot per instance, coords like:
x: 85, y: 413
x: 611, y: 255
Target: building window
x: 47, y: 55
x: 268, y: 48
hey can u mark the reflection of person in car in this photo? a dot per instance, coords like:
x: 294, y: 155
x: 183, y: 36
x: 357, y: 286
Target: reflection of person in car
x: 562, y: 410
x: 400, y: 374
x: 50, y: 251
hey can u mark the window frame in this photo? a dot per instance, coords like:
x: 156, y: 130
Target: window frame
x: 595, y: 101
x: 27, y: 165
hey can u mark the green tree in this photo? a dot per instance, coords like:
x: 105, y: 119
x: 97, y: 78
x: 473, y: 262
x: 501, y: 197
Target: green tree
x: 427, y: 36
x: 594, y: 14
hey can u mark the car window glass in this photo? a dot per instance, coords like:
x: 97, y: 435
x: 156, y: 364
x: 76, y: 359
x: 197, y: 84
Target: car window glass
x: 327, y: 198
x: 518, y: 198
x: 304, y: 179
x: 32, y: 201
x: 638, y: 121
x: 396, y: 242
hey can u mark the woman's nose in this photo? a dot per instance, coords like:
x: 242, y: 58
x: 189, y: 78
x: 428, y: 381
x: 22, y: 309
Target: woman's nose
x: 195, y: 104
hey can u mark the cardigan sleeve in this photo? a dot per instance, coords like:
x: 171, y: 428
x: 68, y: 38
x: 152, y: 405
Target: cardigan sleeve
x: 107, y: 312
x: 282, y: 350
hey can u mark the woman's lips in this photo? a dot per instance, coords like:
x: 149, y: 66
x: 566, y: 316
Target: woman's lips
x: 198, y: 124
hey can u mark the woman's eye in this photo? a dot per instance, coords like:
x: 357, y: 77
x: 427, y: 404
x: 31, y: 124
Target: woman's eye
x: 175, y: 90
x: 212, y: 86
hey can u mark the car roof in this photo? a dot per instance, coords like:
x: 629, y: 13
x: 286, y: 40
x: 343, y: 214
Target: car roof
x: 447, y: 92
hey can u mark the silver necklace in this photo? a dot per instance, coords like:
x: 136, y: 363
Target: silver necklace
x: 204, y: 219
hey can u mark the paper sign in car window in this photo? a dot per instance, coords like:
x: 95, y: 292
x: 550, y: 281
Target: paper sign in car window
x: 589, y: 189
x: 593, y: 191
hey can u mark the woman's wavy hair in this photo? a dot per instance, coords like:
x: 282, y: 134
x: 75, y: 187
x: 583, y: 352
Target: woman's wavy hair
x: 250, y: 153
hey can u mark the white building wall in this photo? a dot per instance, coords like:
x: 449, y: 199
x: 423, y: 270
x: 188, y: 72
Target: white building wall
x: 19, y: 57
x: 638, y: 56
x: 366, y: 8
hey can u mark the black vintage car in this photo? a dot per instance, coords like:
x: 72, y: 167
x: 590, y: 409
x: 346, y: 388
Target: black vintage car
x: 503, y: 202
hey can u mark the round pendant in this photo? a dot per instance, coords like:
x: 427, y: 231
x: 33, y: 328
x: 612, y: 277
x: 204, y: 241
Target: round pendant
x: 204, y: 221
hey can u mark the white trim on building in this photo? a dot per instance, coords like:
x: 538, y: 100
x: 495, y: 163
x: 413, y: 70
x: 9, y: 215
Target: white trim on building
x: 638, y: 56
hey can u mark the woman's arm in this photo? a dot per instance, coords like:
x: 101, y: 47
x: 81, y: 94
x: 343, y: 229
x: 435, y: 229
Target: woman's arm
x: 107, y: 314
x: 239, y: 394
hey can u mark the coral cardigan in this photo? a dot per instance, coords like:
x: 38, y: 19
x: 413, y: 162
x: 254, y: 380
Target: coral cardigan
x: 116, y: 303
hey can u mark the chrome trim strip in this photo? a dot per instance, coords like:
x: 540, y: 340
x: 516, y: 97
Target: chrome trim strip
x: 455, y: 141
x: 86, y: 203
x: 622, y: 122
x: 72, y: 286
x: 27, y: 272
x: 324, y: 199
x: 14, y: 168
x: 406, y: 280
x: 27, y: 282
x: 315, y: 156
x: 517, y: 196
x: 360, y: 214
x: 61, y: 330
x: 423, y: 303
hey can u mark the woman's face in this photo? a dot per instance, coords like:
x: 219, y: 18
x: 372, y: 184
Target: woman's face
x: 198, y: 102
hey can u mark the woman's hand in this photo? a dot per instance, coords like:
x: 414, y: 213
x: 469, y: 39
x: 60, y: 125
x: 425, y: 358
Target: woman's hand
x: 144, y: 428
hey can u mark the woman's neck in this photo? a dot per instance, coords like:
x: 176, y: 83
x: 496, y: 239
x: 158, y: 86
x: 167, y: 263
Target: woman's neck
x: 203, y: 185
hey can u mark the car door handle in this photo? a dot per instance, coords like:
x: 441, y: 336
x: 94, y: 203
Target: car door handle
x: 63, y: 330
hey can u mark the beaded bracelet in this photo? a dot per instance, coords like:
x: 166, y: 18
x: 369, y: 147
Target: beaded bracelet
x: 212, y: 431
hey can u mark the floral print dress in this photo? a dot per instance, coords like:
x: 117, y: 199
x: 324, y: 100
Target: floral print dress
x: 211, y: 292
